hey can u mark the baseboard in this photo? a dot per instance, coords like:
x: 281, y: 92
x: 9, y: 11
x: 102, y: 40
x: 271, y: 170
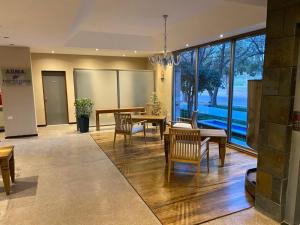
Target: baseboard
x: 241, y: 149
x: 44, y: 125
x: 21, y: 136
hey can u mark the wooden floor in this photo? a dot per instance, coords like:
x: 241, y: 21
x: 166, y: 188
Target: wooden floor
x: 184, y: 200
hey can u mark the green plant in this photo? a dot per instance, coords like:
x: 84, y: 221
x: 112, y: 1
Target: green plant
x: 156, y: 104
x: 84, y: 107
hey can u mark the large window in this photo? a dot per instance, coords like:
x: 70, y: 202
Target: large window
x: 185, y: 85
x: 248, y: 65
x: 222, y: 79
x: 213, y: 75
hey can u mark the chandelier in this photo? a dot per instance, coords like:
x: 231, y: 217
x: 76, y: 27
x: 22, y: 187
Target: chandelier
x: 167, y: 58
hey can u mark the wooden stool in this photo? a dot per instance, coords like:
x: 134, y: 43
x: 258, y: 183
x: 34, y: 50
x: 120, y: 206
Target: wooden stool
x: 7, y: 164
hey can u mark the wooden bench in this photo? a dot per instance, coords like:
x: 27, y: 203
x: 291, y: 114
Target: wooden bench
x: 7, y: 164
x: 102, y: 111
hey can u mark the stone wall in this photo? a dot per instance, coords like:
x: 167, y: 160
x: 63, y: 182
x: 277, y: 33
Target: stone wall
x: 280, y: 70
x: 297, y: 208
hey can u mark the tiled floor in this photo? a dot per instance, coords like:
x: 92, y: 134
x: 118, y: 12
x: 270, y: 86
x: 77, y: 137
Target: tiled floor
x: 64, y: 178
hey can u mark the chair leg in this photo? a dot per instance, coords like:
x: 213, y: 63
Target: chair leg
x: 207, y: 157
x: 207, y: 160
x: 130, y: 139
x: 145, y: 133
x: 169, y: 170
x: 198, y: 172
x: 125, y: 139
x: 115, y: 139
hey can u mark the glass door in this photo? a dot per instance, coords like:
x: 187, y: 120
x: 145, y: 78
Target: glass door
x: 248, y: 65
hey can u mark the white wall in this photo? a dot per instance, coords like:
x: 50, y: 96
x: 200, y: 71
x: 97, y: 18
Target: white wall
x: 18, y: 100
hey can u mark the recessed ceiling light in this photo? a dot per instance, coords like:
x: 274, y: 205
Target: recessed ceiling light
x: 124, y: 55
x: 135, y: 51
x: 52, y: 52
x: 221, y: 35
x: 187, y: 45
x: 97, y: 49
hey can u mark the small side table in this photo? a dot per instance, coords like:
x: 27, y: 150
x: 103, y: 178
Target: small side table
x: 7, y: 164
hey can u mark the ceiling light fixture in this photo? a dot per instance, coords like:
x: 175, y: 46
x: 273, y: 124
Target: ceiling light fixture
x: 135, y: 51
x: 187, y: 45
x: 221, y: 35
x: 124, y: 55
x: 167, y: 58
x: 97, y: 49
x: 52, y: 52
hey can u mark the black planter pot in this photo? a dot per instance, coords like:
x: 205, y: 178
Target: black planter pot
x: 83, y: 123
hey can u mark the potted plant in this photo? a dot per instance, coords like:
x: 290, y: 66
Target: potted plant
x: 84, y: 107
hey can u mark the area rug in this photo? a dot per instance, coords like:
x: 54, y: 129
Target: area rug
x: 186, y: 199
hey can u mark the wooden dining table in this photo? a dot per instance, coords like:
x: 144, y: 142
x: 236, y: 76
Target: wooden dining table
x: 216, y: 135
x: 157, y: 119
x: 116, y: 110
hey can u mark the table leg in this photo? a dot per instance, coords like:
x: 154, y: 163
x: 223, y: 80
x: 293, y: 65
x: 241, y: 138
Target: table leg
x: 166, y: 151
x: 161, y: 128
x: 97, y: 122
x: 222, y: 151
x: 5, y: 176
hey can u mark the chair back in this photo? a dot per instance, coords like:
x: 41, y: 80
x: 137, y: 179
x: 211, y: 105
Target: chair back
x: 123, y: 123
x: 194, y: 121
x: 185, y: 144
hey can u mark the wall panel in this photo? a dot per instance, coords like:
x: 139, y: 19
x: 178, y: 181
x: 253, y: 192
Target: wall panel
x: 135, y: 87
x: 101, y: 87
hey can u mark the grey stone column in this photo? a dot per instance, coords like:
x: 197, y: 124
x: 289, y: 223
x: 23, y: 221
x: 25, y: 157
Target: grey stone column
x: 281, y: 57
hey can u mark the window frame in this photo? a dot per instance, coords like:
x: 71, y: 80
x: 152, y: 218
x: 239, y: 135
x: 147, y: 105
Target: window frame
x: 232, y: 40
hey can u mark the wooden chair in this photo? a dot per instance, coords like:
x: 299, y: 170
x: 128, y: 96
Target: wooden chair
x: 186, y: 147
x: 185, y: 122
x: 125, y: 126
x: 7, y: 164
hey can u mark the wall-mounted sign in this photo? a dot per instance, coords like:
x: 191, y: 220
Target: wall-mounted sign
x: 296, y: 121
x: 16, y: 76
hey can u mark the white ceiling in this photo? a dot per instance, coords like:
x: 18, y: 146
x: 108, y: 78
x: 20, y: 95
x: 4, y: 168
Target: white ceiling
x: 118, y: 27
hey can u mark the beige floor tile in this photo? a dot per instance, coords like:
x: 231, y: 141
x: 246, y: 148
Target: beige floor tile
x: 64, y: 178
x: 246, y: 217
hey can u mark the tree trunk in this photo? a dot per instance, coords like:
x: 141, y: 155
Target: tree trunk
x: 190, y: 104
x: 214, y: 94
x: 214, y: 97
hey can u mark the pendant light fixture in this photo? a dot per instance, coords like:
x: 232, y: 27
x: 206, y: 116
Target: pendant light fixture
x: 167, y: 58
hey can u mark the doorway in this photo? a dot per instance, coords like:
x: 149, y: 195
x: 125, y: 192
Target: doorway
x: 55, y: 97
